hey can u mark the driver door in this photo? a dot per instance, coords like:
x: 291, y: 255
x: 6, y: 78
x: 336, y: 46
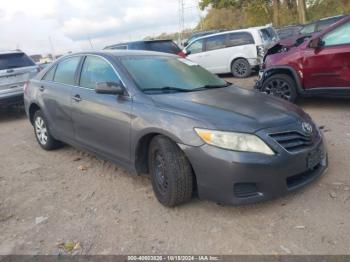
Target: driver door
x: 328, y: 66
x: 101, y: 121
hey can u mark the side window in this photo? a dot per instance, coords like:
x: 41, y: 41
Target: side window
x: 237, y: 39
x: 308, y: 29
x: 216, y: 42
x: 49, y: 74
x: 65, y: 72
x: 120, y: 47
x: 96, y: 70
x: 196, y: 47
x: 339, y: 36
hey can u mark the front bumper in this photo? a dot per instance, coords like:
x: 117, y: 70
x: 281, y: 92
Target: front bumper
x: 230, y: 177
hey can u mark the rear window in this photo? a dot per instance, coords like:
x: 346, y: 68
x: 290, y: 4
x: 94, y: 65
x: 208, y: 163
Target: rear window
x: 15, y: 60
x: 165, y: 47
x: 268, y: 34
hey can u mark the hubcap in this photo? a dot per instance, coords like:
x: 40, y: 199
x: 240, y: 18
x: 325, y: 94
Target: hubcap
x: 240, y: 69
x: 160, y: 176
x: 41, y: 130
x: 279, y: 88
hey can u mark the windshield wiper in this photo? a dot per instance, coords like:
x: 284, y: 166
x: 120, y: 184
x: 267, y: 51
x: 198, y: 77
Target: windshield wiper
x: 212, y: 86
x: 167, y: 89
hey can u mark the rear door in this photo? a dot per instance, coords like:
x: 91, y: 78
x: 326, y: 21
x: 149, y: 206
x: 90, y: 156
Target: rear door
x: 15, y: 70
x: 102, y: 122
x: 216, y: 55
x: 56, y: 88
x: 329, y: 66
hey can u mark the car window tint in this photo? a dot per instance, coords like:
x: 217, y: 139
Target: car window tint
x: 15, y: 60
x: 50, y: 74
x: 163, y: 46
x: 216, y: 42
x: 65, y: 72
x: 236, y: 39
x: 96, y: 70
x: 196, y: 47
x: 339, y: 36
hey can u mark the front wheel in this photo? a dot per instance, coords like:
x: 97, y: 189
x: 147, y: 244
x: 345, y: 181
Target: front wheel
x: 171, y: 173
x: 282, y: 86
x: 42, y: 133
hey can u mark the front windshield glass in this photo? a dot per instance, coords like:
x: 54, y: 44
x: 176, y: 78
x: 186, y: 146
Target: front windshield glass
x: 157, y: 73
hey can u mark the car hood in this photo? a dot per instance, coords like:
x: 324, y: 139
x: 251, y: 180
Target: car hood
x: 231, y: 108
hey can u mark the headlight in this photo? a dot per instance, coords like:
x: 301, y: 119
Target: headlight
x: 234, y: 141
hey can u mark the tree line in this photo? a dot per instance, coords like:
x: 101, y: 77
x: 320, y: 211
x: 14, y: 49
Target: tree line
x: 235, y: 14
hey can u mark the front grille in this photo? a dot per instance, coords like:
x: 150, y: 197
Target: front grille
x: 293, y: 140
x: 245, y: 189
x: 297, y: 180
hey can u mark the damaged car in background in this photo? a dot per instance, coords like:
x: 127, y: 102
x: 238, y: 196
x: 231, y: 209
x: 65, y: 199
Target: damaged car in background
x: 316, y: 65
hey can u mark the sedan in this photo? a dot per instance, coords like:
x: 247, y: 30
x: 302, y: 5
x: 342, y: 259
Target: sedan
x: 162, y: 115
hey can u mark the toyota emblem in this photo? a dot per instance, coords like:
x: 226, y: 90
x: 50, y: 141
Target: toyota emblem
x: 307, y: 128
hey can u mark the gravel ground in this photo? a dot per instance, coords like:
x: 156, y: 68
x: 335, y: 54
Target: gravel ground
x: 69, y: 201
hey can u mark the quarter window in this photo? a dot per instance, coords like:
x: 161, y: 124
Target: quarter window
x: 65, y: 72
x: 216, y: 42
x: 96, y: 70
x: 196, y: 47
x: 339, y: 36
x: 50, y: 74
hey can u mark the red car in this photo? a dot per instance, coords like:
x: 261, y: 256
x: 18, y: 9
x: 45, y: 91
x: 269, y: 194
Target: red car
x: 316, y: 65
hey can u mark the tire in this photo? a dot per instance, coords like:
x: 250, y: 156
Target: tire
x: 171, y: 173
x: 42, y: 133
x: 241, y: 68
x: 282, y: 86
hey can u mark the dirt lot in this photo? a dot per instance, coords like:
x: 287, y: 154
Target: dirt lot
x: 48, y: 198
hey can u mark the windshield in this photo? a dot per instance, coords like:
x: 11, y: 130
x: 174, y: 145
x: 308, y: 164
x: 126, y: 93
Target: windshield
x: 15, y: 60
x: 268, y: 34
x: 157, y: 73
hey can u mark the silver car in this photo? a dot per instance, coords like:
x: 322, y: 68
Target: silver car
x: 15, y: 69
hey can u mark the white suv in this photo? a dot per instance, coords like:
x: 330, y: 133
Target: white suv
x: 237, y: 51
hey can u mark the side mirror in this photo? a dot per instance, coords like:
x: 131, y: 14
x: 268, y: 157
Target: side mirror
x: 315, y: 43
x: 109, y: 88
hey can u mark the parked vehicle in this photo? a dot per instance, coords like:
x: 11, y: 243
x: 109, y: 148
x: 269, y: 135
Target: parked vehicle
x: 165, y: 46
x: 164, y: 115
x: 237, y: 52
x: 312, y: 28
x: 200, y: 34
x: 312, y: 66
x: 288, y: 31
x: 15, y: 69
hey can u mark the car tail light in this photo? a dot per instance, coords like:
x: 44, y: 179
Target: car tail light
x: 260, y: 51
x: 25, y: 87
x: 181, y: 54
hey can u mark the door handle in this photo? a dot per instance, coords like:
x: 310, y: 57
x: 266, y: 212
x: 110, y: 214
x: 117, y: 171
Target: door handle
x: 42, y: 88
x: 77, y: 98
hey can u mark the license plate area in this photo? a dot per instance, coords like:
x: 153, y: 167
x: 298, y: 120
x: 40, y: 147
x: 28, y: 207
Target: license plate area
x: 315, y: 157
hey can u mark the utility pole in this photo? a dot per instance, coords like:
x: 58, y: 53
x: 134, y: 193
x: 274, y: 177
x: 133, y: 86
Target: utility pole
x: 52, y: 49
x: 181, y: 19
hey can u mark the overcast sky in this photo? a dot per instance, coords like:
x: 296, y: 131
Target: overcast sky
x: 29, y: 24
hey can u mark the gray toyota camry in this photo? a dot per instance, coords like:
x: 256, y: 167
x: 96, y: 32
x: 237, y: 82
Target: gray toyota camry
x: 166, y: 116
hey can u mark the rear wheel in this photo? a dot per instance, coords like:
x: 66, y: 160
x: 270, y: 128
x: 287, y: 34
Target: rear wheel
x: 171, y: 173
x: 282, y: 86
x: 42, y: 133
x: 241, y: 68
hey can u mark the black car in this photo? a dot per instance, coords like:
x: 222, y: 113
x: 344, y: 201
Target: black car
x: 319, y: 25
x: 288, y: 31
x: 164, y: 46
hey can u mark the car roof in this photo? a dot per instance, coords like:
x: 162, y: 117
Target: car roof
x: 11, y: 52
x: 140, y: 41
